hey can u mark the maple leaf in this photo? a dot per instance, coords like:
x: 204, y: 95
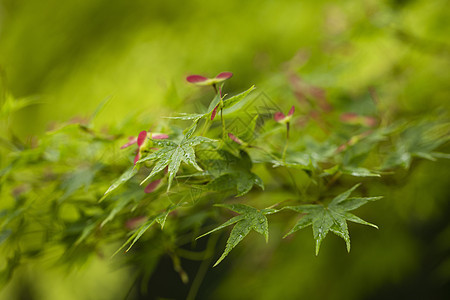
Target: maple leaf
x: 217, y: 103
x: 332, y: 218
x: 127, y: 175
x: 249, y: 219
x: 419, y: 140
x: 158, y: 218
x: 233, y: 172
x: 172, y: 154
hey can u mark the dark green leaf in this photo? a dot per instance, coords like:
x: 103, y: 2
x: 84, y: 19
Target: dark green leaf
x: 233, y: 172
x: 159, y: 218
x: 136, y: 235
x: 332, y: 218
x: 249, y: 218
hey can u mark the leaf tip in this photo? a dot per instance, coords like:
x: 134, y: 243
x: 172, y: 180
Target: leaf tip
x: 356, y: 186
x: 317, y: 247
x: 219, y: 260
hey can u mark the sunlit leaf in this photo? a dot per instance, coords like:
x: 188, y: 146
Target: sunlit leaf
x: 173, y: 154
x: 227, y: 103
x: 127, y: 175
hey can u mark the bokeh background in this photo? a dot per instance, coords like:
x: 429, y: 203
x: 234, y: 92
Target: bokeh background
x: 70, y: 55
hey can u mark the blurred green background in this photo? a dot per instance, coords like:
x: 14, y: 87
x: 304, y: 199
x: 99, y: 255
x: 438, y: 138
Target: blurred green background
x: 72, y: 54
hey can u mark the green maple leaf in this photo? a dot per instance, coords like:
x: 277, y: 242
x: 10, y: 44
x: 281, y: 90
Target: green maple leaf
x: 232, y: 101
x: 159, y: 218
x: 127, y: 175
x: 216, y: 101
x: 249, y: 218
x: 331, y: 218
x: 419, y: 140
x: 233, y: 173
x: 172, y: 154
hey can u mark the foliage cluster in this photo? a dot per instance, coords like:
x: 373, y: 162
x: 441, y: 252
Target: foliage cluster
x: 193, y: 171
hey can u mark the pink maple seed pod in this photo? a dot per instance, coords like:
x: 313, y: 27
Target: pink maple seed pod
x: 152, y: 186
x: 291, y: 111
x: 196, y: 78
x: 204, y: 81
x: 134, y: 223
x: 370, y: 121
x: 159, y: 136
x: 349, y: 117
x: 355, y: 119
x: 214, y: 112
x: 235, y: 138
x: 224, y: 76
x: 341, y: 148
x: 141, y: 138
x: 137, y: 157
x: 279, y: 116
x: 131, y: 141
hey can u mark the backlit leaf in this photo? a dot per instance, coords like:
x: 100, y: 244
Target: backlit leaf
x: 127, y: 175
x: 173, y: 154
x: 227, y: 103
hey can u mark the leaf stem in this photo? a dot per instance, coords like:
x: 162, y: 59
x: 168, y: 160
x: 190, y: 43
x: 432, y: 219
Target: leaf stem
x: 223, y: 122
x: 205, y: 126
x: 265, y: 151
x: 203, y: 269
x: 283, y: 157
